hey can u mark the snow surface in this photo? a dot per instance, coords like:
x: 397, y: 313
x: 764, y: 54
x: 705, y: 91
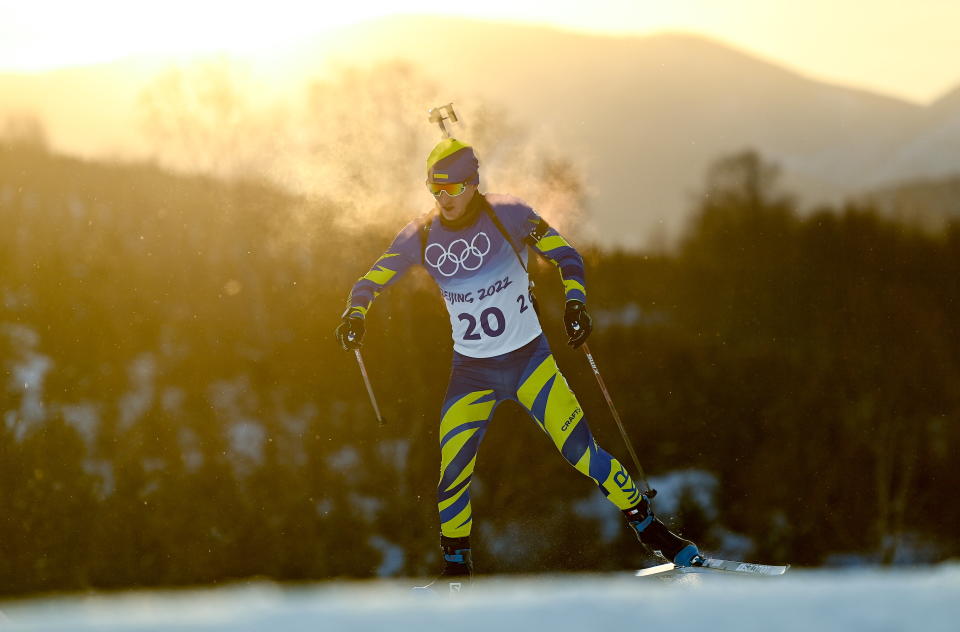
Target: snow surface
x: 925, y: 599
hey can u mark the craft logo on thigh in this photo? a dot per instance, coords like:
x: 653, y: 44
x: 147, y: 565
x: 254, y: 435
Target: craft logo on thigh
x: 622, y: 479
x: 570, y: 419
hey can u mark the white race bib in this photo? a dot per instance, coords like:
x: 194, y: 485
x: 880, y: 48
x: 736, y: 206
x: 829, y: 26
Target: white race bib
x: 485, y: 288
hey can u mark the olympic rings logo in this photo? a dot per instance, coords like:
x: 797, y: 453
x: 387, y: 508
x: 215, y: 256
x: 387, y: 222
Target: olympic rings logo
x: 459, y: 254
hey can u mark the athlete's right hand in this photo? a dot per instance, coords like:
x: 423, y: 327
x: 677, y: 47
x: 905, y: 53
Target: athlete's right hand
x: 350, y: 332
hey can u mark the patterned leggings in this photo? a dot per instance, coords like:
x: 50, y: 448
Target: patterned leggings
x: 528, y: 375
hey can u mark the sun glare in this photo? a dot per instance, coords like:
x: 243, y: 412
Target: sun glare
x: 46, y: 34
x: 98, y: 31
x: 841, y: 42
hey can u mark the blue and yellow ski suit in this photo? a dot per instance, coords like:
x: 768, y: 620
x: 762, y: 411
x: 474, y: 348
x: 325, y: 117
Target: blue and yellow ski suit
x: 500, y: 351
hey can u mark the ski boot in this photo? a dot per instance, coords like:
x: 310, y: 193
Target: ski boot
x: 457, y: 567
x: 655, y: 535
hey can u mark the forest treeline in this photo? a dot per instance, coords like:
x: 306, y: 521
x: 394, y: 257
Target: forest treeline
x: 175, y: 409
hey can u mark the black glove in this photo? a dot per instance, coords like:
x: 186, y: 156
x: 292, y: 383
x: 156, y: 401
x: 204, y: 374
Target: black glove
x: 578, y: 323
x: 350, y: 332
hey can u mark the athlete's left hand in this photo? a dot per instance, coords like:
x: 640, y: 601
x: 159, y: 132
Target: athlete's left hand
x: 578, y: 323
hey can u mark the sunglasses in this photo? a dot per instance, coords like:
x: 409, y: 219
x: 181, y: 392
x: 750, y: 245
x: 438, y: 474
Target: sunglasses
x: 453, y: 189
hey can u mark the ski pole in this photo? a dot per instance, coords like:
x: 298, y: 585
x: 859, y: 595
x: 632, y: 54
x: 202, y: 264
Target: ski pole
x: 366, y: 380
x: 650, y: 493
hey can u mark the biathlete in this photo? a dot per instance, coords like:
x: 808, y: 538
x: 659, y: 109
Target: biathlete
x: 475, y: 247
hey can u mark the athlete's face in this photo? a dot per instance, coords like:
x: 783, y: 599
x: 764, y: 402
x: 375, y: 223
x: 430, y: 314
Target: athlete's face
x: 453, y: 208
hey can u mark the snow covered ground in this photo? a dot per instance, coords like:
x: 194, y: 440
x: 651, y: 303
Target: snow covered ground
x: 925, y: 599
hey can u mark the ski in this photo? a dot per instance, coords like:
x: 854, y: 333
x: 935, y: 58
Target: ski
x: 656, y: 570
x: 712, y: 565
x: 455, y: 589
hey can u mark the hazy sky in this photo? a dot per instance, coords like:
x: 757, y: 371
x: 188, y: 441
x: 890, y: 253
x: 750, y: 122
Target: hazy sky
x: 906, y: 49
